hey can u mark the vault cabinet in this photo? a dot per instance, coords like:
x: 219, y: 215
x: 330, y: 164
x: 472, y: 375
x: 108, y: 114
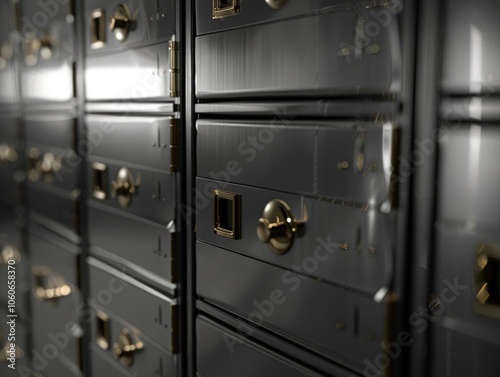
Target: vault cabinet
x: 299, y: 232
x: 14, y: 262
x: 467, y: 254
x: 133, y: 186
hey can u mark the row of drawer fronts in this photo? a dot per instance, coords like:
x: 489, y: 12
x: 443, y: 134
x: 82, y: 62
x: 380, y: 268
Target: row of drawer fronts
x: 110, y: 292
x: 147, y: 194
x: 337, y: 324
x: 223, y: 353
x: 275, y: 59
x: 129, y: 239
x: 467, y: 159
x: 346, y: 246
x: 358, y: 160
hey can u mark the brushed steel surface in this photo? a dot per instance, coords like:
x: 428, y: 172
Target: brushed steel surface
x: 57, y: 130
x: 248, y: 359
x: 335, y: 323
x: 469, y: 178
x: 471, y: 48
x: 134, y: 244
x: 135, y: 139
x: 302, y: 57
x: 307, y: 157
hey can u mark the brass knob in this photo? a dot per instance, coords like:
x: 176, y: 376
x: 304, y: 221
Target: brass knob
x: 277, y: 227
x: 7, y: 154
x: 49, y: 286
x: 125, y: 348
x: 276, y: 4
x: 8, y: 253
x: 124, y: 187
x: 120, y: 23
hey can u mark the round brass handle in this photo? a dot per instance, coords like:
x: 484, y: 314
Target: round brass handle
x: 277, y: 227
x: 120, y: 23
x: 49, y: 286
x: 124, y: 187
x: 276, y: 4
x: 125, y: 348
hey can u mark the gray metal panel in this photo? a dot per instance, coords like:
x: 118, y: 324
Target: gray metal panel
x: 8, y: 71
x: 125, y: 108
x: 57, y: 321
x: 150, y: 312
x: 340, y: 160
x: 470, y: 109
x: 49, y: 79
x: 302, y: 56
x: 134, y: 243
x: 9, y: 187
x: 471, y: 47
x: 327, y: 226
x: 469, y: 177
x: 135, y: 139
x: 461, y: 355
x: 57, y: 130
x: 335, y: 323
x: 153, y: 199
x: 244, y: 359
x: 9, y: 126
x: 55, y: 209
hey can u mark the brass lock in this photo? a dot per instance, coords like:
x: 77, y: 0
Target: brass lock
x: 278, y: 228
x: 124, y: 187
x: 126, y: 346
x: 49, y: 286
x: 7, y: 154
x: 8, y: 253
x: 276, y: 4
x: 120, y: 23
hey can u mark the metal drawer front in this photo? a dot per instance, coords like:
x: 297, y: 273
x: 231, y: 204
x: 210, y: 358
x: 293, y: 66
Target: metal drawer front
x: 149, y: 312
x: 57, y: 130
x: 8, y: 72
x: 459, y: 354
x: 356, y: 160
x: 147, y: 194
x: 248, y: 359
x: 131, y: 240
x: 335, y: 323
x: 48, y: 53
x: 132, y: 62
x: 468, y: 156
x: 10, y: 130
x: 471, y: 47
x: 10, y: 189
x: 330, y: 53
x: 56, y: 209
x: 340, y: 244
x: 56, y: 296
x: 139, y: 140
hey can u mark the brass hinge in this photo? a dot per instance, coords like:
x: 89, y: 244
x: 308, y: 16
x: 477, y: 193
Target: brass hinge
x: 173, y: 49
x: 174, y: 248
x: 175, y: 145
